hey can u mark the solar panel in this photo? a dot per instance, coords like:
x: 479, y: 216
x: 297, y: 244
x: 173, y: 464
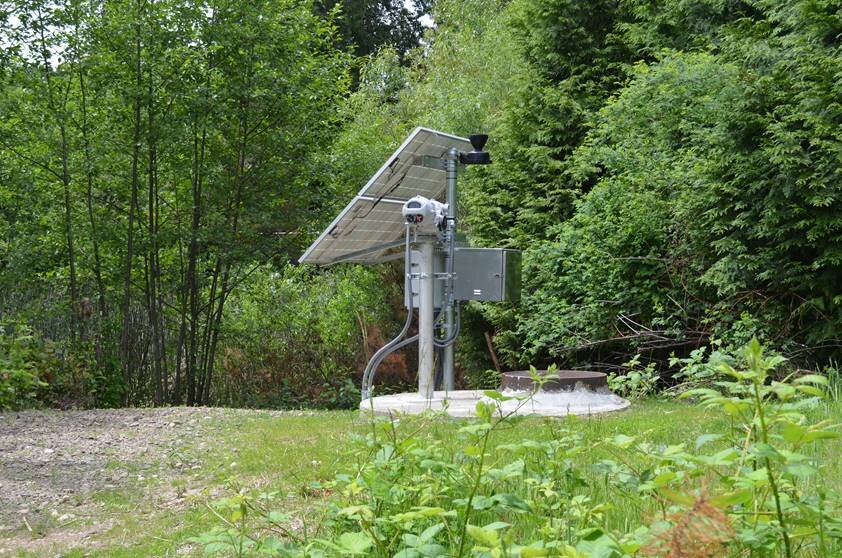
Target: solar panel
x: 371, y: 225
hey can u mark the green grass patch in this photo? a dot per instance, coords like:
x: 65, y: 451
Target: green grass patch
x: 297, y: 457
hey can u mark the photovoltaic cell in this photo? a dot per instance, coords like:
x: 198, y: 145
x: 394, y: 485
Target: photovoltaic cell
x: 372, y: 225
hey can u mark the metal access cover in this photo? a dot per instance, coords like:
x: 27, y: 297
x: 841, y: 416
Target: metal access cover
x: 371, y: 227
x: 561, y: 380
x: 489, y: 274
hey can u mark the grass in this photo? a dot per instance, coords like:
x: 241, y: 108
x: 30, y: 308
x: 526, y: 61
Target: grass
x: 286, y: 453
x: 282, y: 453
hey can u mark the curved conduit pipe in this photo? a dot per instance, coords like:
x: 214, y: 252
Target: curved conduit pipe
x: 379, y: 358
x: 396, y: 343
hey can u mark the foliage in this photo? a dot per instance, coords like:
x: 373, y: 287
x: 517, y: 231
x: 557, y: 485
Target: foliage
x: 637, y: 382
x: 833, y: 372
x: 561, y: 82
x: 696, y: 370
x: 670, y: 179
x: 484, y: 379
x: 239, y: 514
x: 35, y: 372
x: 660, y: 236
x: 671, y: 170
x: 298, y: 338
x: 772, y: 417
x: 152, y: 154
x: 755, y: 486
x: 457, y: 83
x: 368, y: 25
x: 24, y: 363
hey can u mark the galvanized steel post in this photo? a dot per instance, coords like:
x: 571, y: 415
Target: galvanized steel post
x: 426, y: 311
x: 447, y: 357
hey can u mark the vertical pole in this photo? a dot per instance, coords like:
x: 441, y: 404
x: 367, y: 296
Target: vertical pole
x: 447, y: 357
x: 426, y: 353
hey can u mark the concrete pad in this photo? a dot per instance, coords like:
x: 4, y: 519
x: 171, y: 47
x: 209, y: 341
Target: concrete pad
x: 462, y: 403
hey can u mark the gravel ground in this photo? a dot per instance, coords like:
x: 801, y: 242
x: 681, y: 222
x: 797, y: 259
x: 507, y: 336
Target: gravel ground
x: 52, y: 461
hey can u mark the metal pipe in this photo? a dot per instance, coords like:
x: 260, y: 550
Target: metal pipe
x: 426, y: 311
x: 449, y: 329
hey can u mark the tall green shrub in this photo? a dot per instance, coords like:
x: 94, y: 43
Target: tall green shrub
x: 731, y: 159
x: 300, y: 338
x: 24, y: 362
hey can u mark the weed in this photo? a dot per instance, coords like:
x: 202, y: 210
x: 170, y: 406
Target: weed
x: 637, y: 383
x: 423, y: 486
x: 834, y: 382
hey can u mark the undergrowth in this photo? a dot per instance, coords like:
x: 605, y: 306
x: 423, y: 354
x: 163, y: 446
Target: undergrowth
x: 422, y: 486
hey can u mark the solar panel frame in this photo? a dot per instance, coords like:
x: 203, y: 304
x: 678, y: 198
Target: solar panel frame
x: 368, y: 228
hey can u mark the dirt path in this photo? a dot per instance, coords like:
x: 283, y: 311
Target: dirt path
x: 52, y: 462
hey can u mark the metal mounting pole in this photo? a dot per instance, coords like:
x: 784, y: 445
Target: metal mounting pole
x: 426, y: 353
x: 447, y: 357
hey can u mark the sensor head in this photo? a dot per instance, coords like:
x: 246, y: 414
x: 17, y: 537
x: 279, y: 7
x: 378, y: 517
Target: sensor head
x: 477, y: 156
x: 478, y: 141
x: 428, y: 216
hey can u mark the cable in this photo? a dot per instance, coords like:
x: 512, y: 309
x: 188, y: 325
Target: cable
x: 449, y: 301
x: 441, y: 343
x: 381, y: 356
x: 394, y: 344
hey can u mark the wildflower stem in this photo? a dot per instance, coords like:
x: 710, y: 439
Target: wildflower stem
x: 772, y: 484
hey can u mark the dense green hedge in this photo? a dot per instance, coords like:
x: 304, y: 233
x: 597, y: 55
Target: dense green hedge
x: 671, y: 169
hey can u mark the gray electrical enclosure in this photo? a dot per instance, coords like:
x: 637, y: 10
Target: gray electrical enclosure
x: 489, y: 274
x: 415, y: 270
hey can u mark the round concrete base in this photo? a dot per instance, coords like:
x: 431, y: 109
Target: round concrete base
x: 462, y: 403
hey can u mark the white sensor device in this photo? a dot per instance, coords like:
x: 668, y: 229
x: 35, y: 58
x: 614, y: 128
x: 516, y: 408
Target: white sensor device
x: 428, y: 216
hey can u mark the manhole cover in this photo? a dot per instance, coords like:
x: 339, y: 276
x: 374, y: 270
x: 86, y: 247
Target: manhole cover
x: 561, y: 380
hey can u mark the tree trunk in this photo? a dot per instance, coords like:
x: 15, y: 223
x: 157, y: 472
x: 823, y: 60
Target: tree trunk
x: 125, y: 338
x: 192, y: 283
x: 210, y: 314
x: 68, y: 228
x: 153, y: 270
x: 234, y: 222
x: 89, y: 178
x: 59, y: 114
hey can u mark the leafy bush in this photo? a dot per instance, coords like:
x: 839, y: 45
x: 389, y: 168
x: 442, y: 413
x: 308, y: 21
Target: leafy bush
x: 36, y: 372
x: 637, y: 382
x: 295, y: 338
x: 754, y: 488
x: 671, y: 164
x: 693, y: 174
x: 773, y: 418
x: 25, y: 359
x: 696, y: 370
